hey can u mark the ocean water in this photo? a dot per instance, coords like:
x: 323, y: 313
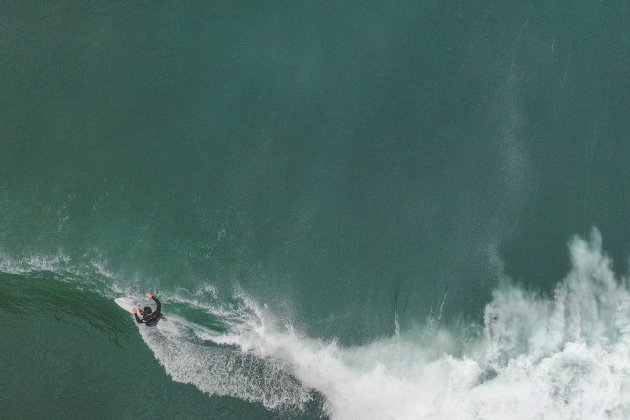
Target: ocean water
x: 359, y: 210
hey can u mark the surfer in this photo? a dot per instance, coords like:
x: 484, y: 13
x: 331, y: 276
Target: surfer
x: 149, y: 317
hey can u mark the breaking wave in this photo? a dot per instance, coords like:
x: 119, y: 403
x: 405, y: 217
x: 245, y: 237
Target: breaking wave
x: 535, y: 356
x: 558, y: 356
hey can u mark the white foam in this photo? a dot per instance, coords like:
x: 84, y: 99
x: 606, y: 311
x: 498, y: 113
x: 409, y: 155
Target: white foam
x: 30, y: 263
x: 559, y: 357
x: 92, y: 273
x: 101, y: 267
x: 206, y: 299
x: 220, y: 370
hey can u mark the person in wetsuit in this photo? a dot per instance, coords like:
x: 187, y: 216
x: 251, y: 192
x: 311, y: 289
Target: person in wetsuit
x: 149, y: 317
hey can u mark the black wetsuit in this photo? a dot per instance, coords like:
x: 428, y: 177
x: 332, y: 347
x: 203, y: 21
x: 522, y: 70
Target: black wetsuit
x: 151, y: 319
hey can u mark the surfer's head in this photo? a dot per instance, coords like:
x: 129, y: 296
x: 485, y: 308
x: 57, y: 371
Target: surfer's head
x: 147, y: 310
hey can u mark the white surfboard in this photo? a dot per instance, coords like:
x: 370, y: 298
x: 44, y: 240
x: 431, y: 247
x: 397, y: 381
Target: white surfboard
x: 126, y: 303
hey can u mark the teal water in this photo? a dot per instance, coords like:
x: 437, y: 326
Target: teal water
x: 355, y: 210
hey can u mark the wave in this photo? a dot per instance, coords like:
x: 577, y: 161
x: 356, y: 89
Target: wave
x: 535, y: 356
x: 557, y: 356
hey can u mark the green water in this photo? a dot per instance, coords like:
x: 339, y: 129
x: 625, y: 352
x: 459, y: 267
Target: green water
x: 354, y: 171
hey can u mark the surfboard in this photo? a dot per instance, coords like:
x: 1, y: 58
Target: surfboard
x: 126, y: 303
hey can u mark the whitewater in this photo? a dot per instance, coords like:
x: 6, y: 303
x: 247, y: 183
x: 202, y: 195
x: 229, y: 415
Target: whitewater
x: 564, y: 356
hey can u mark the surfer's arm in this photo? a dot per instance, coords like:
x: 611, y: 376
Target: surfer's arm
x: 159, y: 305
x: 134, y: 311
